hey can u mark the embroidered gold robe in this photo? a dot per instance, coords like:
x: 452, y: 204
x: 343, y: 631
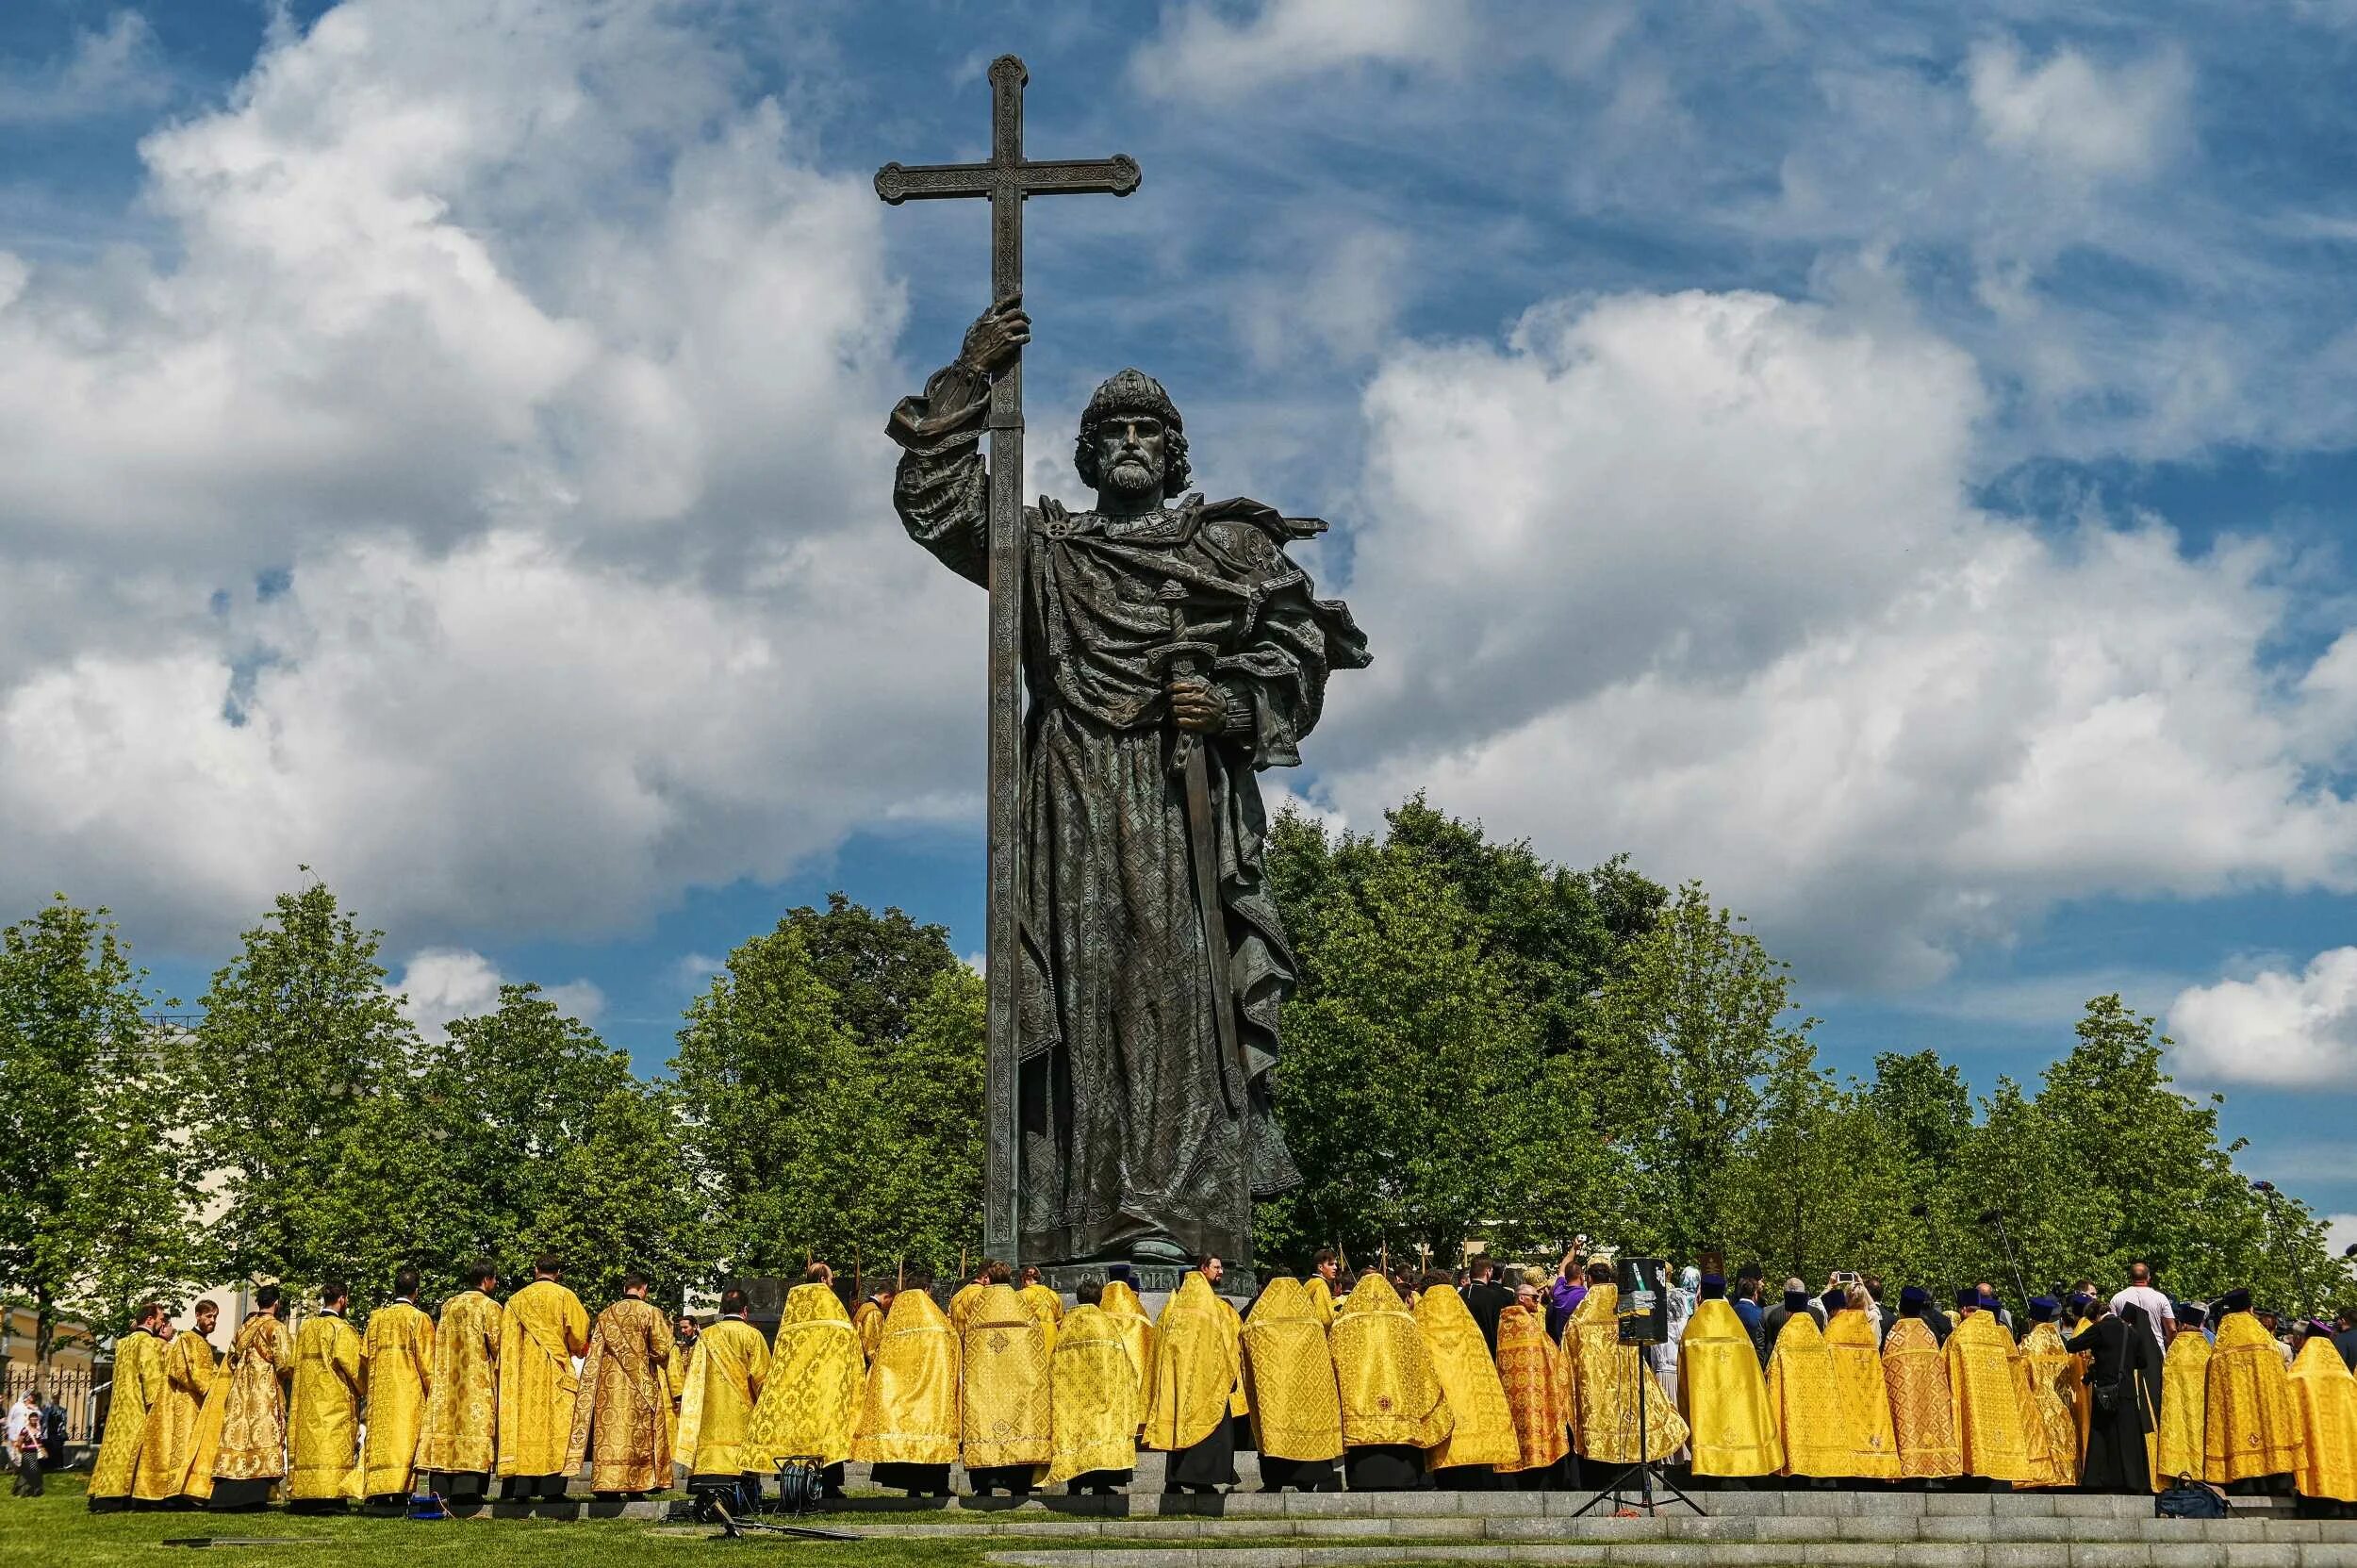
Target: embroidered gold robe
x: 1045, y: 1304
x: 543, y: 1329
x: 1481, y: 1428
x: 397, y: 1363
x: 2248, y: 1430
x: 171, y: 1438
x: 461, y: 1426
x: 715, y: 1411
x: 1990, y: 1391
x: 323, y: 1437
x: 2183, y: 1445
x: 139, y: 1383
x: 1296, y: 1409
x: 242, y: 1432
x: 1811, y: 1420
x: 1722, y: 1394
x: 908, y: 1413
x: 2057, y: 1388
x: 1005, y: 1408
x: 1120, y: 1302
x: 810, y: 1399
x: 624, y: 1422
x: 2324, y: 1408
x: 1538, y: 1389
x: 1092, y: 1393
x: 961, y: 1302
x: 1923, y: 1410
x: 1197, y: 1354
x: 868, y: 1322
x: 1605, y: 1375
x: 1857, y: 1380
x: 1383, y: 1372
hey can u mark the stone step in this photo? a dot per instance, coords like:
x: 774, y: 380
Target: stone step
x: 1656, y: 1554
x: 1417, y: 1505
x: 1767, y: 1530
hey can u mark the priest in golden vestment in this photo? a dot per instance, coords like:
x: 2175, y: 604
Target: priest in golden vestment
x: 1604, y: 1377
x: 397, y: 1368
x: 1481, y: 1439
x: 459, y: 1444
x: 139, y: 1383
x: 1120, y: 1302
x: 2181, y: 1449
x: 992, y: 1273
x: 1197, y: 1359
x: 2324, y: 1409
x: 625, y: 1422
x: 1096, y: 1409
x: 1538, y: 1394
x: 810, y: 1401
x: 543, y: 1329
x: 323, y: 1429
x: 1812, y: 1422
x: 169, y: 1441
x: 1923, y: 1410
x: 1289, y: 1368
x: 2057, y: 1389
x: 725, y: 1377
x: 2250, y: 1429
x: 1722, y: 1395
x: 1991, y: 1393
x: 1858, y: 1383
x: 1005, y: 1415
x: 1393, y: 1408
x: 1042, y: 1300
x: 240, y: 1450
x: 868, y: 1320
x: 908, y: 1413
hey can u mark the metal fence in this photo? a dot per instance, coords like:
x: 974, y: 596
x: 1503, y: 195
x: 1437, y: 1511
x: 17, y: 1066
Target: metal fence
x: 69, y: 1386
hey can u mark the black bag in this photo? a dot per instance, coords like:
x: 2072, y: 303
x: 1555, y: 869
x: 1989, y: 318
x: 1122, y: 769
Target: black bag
x: 2106, y: 1397
x: 2189, y: 1499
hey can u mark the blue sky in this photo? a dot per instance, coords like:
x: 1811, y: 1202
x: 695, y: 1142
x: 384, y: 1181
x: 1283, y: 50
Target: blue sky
x: 1892, y: 464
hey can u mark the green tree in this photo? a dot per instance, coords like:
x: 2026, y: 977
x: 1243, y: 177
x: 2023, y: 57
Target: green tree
x: 98, y: 1208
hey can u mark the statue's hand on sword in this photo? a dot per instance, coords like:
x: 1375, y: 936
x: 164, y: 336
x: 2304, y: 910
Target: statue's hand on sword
x: 1197, y: 705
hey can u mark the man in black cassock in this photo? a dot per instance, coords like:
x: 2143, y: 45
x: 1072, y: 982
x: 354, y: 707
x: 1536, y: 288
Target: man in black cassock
x: 1140, y: 1135
x: 1486, y: 1299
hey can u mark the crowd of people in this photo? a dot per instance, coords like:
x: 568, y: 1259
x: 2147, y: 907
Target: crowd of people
x: 1377, y: 1380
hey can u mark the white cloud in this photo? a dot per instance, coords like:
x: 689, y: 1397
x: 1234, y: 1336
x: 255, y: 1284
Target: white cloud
x: 112, y: 69
x: 440, y: 984
x: 2340, y: 1232
x: 2072, y: 114
x: 693, y: 972
x: 1200, y: 53
x: 2296, y: 1029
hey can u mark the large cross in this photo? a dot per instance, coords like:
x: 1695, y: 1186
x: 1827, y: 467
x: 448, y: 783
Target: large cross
x: 1007, y: 180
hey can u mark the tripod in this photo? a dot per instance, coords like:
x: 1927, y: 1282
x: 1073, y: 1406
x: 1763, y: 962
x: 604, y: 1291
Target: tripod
x: 1643, y: 1469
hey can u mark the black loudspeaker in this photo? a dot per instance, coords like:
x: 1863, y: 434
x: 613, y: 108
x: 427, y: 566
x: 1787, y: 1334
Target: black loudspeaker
x: 1644, y: 1300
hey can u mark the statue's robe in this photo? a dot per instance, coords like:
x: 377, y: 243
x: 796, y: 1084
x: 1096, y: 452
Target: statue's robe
x: 139, y: 1383
x: 716, y: 1408
x: 2324, y: 1411
x: 1394, y: 1407
x: 2057, y: 1389
x: 1296, y: 1409
x: 543, y: 1329
x: 241, y: 1447
x: 397, y: 1368
x: 1197, y: 1359
x: 1096, y: 1411
x: 1120, y: 1302
x: 1481, y: 1427
x: 810, y: 1396
x: 460, y: 1437
x: 1722, y: 1395
x: 1923, y: 1409
x: 624, y: 1422
x: 170, y: 1436
x: 2180, y: 1449
x: 1991, y: 1391
x: 324, y: 1434
x: 1130, y: 1107
x: 908, y: 1413
x: 2249, y: 1433
x: 1604, y: 1377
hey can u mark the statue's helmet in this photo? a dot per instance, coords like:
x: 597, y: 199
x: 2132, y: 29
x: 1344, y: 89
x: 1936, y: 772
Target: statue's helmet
x: 1130, y: 391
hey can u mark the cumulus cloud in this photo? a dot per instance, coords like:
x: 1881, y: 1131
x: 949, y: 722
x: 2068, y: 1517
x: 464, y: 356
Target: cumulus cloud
x: 2074, y: 113
x: 2280, y: 1026
x: 1200, y: 52
x: 440, y: 984
x: 111, y: 69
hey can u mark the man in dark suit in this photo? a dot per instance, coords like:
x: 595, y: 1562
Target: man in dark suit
x: 1486, y: 1298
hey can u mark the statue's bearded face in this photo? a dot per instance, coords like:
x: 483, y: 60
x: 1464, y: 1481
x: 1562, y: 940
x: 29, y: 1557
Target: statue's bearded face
x: 1133, y: 456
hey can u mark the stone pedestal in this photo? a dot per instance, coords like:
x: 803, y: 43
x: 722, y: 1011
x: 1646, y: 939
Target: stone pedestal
x: 1154, y: 1281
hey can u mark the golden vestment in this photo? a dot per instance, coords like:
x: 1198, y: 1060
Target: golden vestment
x: 169, y: 1441
x: 908, y: 1413
x: 1005, y: 1416
x: 1812, y: 1423
x: 242, y: 1432
x: 1538, y: 1389
x: 461, y: 1427
x: 1296, y: 1410
x: 2324, y: 1408
x: 1321, y: 1296
x: 1922, y: 1411
x: 869, y: 1323
x: 2184, y: 1438
x: 962, y: 1303
x: 1722, y: 1394
x: 2251, y: 1429
x: 139, y: 1383
x: 1605, y: 1375
x: 1093, y: 1397
x: 810, y: 1401
x: 1857, y: 1380
x: 1120, y: 1302
x: 543, y: 1329
x: 624, y: 1422
x: 1383, y: 1371
x: 725, y: 1377
x: 1196, y: 1352
x: 1991, y: 1390
x: 323, y: 1435
x: 397, y: 1361
x: 1043, y: 1304
x: 1238, y: 1394
x: 2057, y: 1389
x: 1481, y: 1427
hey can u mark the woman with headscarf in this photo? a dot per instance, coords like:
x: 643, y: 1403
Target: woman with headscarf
x: 1392, y: 1405
x: 1296, y: 1410
x: 2123, y: 1394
